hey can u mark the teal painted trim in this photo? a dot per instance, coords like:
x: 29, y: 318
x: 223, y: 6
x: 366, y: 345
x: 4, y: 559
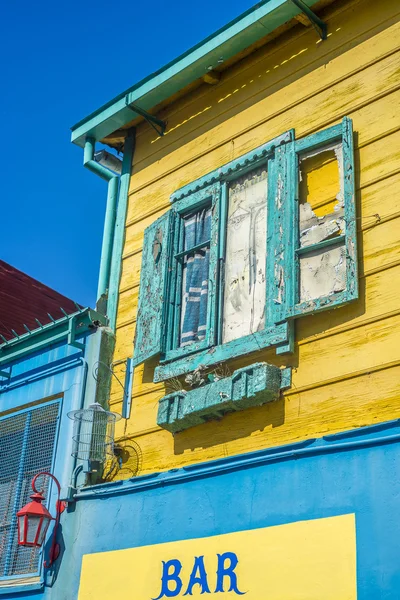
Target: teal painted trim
x: 234, y: 168
x: 52, y: 333
x: 319, y: 25
x: 250, y: 386
x: 334, y: 241
x: 153, y: 289
x: 119, y: 229
x: 288, y: 347
x: 198, y: 198
x: 320, y: 138
x: 343, y: 133
x: 280, y: 240
x: 349, y: 192
x: 224, y: 202
x: 248, y: 28
x: 109, y: 221
x: 24, y: 588
x: 286, y: 378
x: 180, y: 255
x: 175, y: 304
x: 240, y: 347
x: 108, y: 237
x: 91, y: 164
x: 71, y: 340
x: 127, y: 401
x: 347, y: 441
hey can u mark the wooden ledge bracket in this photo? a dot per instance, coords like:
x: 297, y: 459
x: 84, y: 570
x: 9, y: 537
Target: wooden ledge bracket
x: 157, y: 124
x: 318, y: 24
x: 212, y: 77
x: 250, y: 386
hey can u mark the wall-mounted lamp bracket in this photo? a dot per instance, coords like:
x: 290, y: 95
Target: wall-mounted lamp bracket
x: 157, y: 124
x: 318, y: 24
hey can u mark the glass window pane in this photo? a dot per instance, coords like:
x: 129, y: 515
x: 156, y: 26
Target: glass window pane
x: 195, y: 274
x: 245, y: 266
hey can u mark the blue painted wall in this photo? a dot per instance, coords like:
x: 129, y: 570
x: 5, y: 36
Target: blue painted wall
x: 356, y: 472
x: 57, y: 373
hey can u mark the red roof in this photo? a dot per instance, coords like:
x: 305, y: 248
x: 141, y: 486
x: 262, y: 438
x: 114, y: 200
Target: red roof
x: 22, y: 299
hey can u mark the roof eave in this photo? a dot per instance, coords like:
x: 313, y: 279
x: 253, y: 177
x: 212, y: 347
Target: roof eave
x: 50, y: 334
x: 235, y: 37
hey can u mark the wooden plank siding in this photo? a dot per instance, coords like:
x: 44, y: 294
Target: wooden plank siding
x: 347, y: 361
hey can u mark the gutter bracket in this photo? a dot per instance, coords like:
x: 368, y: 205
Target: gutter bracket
x: 157, y: 124
x: 72, y: 333
x: 6, y: 374
x: 319, y: 25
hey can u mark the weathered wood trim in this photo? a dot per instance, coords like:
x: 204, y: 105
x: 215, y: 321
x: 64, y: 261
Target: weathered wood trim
x: 249, y: 160
x: 251, y: 343
x: 250, y: 386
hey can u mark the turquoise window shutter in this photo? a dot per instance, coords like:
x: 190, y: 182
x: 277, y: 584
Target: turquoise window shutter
x: 321, y: 256
x: 150, y: 322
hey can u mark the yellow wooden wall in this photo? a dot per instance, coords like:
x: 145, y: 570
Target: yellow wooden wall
x: 347, y: 362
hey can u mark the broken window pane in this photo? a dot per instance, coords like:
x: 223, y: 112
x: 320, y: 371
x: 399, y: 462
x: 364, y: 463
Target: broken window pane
x: 245, y: 264
x: 321, y: 219
x: 322, y: 272
x: 195, y: 274
x: 321, y: 207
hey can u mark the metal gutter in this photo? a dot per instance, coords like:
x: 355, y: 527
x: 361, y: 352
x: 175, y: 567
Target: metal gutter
x: 111, y: 209
x: 49, y: 334
x: 119, y: 228
x: 248, y: 28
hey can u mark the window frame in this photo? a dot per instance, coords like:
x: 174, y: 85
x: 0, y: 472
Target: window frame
x: 342, y: 132
x: 209, y: 196
x: 181, y: 360
x: 282, y: 273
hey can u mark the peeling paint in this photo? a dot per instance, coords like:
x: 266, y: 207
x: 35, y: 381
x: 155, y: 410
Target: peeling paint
x: 321, y: 218
x: 322, y: 272
x: 245, y: 270
x: 315, y: 228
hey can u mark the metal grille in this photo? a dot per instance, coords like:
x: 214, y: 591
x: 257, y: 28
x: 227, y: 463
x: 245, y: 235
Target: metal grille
x: 26, y: 447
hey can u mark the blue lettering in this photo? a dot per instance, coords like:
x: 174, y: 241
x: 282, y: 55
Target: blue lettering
x: 198, y: 575
x: 227, y: 571
x: 170, y: 573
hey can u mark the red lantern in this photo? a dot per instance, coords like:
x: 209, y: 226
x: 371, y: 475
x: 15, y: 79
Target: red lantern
x: 34, y: 520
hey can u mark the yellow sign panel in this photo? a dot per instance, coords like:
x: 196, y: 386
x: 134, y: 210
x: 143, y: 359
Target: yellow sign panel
x: 307, y: 560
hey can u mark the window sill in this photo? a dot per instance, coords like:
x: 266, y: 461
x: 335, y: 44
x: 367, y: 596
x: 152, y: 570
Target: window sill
x: 273, y: 336
x: 251, y: 386
x: 20, y: 585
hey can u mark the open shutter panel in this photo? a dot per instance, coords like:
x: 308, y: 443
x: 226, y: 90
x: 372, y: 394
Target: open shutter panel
x: 152, y: 292
x: 324, y: 245
x: 280, y: 213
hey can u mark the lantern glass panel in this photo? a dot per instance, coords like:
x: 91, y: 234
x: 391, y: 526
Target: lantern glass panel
x: 21, y: 529
x: 34, y: 524
x: 43, y: 531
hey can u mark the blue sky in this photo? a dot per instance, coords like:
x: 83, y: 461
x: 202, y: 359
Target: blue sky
x: 61, y: 61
